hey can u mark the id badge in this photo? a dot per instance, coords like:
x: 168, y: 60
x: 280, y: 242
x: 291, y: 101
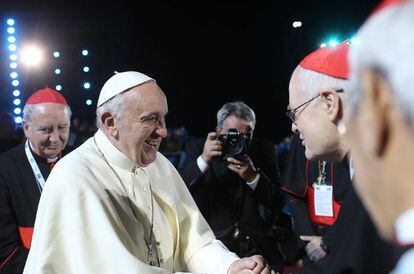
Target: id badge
x: 323, y: 200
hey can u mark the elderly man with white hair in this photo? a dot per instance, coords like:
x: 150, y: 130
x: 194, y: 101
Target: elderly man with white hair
x: 24, y: 170
x: 380, y: 124
x: 116, y: 205
x: 318, y: 94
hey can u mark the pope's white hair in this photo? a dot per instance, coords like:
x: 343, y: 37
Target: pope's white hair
x: 387, y: 46
x: 313, y: 82
x: 116, y: 106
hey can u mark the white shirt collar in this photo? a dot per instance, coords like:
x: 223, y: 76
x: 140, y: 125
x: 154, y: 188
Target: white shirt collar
x: 404, y: 227
x: 351, y: 168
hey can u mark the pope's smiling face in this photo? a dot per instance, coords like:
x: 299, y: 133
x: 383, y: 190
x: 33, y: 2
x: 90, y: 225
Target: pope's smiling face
x: 142, y: 126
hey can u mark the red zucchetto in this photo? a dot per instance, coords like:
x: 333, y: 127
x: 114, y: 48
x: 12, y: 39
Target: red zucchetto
x: 332, y: 61
x: 386, y: 4
x: 46, y: 95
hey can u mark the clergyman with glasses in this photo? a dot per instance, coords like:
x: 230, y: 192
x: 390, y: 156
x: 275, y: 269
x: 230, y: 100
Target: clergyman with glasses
x: 116, y: 205
x: 317, y: 94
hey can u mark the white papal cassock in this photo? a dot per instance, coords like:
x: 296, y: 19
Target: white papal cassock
x: 94, y: 216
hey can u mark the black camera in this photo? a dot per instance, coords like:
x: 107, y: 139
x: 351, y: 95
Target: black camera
x: 235, y: 144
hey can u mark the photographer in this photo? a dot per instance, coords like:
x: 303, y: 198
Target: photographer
x: 234, y: 180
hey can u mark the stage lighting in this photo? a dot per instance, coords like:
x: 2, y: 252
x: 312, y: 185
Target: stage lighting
x: 10, y: 22
x: 333, y: 43
x: 13, y: 65
x: 12, y: 47
x: 17, y: 110
x: 31, y: 56
x: 13, y: 75
x: 85, y: 52
x: 15, y: 83
x: 85, y: 69
x: 16, y: 101
x: 58, y: 87
x: 56, y: 54
x: 11, y: 39
x: 88, y: 102
x: 57, y: 71
x: 297, y: 24
x: 18, y: 119
x: 11, y: 30
x: 323, y: 45
x: 13, y: 57
x: 16, y: 92
x: 86, y: 85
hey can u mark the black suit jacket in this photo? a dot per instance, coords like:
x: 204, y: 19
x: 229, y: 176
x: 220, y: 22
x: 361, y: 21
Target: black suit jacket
x: 19, y: 198
x: 225, y: 199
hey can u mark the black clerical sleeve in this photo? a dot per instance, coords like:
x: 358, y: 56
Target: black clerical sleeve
x: 12, y: 252
x: 19, y: 197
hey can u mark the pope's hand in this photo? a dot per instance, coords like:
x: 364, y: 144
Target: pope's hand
x: 254, y: 265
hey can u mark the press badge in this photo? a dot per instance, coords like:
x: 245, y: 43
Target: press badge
x: 323, y: 200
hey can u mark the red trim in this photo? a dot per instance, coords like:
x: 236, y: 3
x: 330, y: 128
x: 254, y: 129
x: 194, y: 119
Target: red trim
x: 311, y: 206
x: 292, y: 192
x: 303, y: 195
x: 321, y: 219
x: 26, y: 234
x: 8, y: 258
x: 307, y: 178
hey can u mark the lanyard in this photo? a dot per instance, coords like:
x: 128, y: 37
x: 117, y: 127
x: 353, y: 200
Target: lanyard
x: 36, y: 171
x: 322, y: 173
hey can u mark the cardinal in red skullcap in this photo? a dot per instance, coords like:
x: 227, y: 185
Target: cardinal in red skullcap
x: 24, y: 170
x: 46, y: 95
x: 329, y: 217
x: 331, y: 61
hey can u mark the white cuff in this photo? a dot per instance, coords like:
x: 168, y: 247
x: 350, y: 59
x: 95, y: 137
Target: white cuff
x: 212, y: 258
x: 253, y: 184
x: 202, y: 165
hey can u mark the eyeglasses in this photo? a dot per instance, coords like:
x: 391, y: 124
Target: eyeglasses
x: 291, y: 113
x: 153, y: 121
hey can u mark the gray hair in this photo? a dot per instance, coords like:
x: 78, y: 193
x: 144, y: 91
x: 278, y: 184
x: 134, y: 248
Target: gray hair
x: 116, y: 106
x: 313, y: 82
x: 28, y: 109
x: 238, y: 109
x: 386, y: 46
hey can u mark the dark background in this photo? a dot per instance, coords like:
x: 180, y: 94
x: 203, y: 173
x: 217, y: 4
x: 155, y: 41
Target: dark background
x: 202, y: 53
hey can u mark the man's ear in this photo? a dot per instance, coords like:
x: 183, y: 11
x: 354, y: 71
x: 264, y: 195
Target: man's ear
x: 375, y: 107
x: 26, y: 129
x: 332, y: 104
x: 108, y: 121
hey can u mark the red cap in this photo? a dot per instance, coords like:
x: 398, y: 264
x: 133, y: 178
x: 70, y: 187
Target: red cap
x: 332, y: 61
x: 46, y: 95
x: 385, y: 4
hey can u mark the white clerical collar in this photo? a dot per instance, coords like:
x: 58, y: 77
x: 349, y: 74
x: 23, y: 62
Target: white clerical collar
x: 48, y: 160
x: 404, y: 227
x: 351, y: 168
x: 114, y: 156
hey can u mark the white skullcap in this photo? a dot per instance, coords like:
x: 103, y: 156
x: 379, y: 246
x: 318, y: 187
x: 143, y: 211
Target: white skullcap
x: 120, y: 82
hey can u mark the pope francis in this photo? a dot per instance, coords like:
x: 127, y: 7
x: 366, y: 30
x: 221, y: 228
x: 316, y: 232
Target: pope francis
x: 116, y: 205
